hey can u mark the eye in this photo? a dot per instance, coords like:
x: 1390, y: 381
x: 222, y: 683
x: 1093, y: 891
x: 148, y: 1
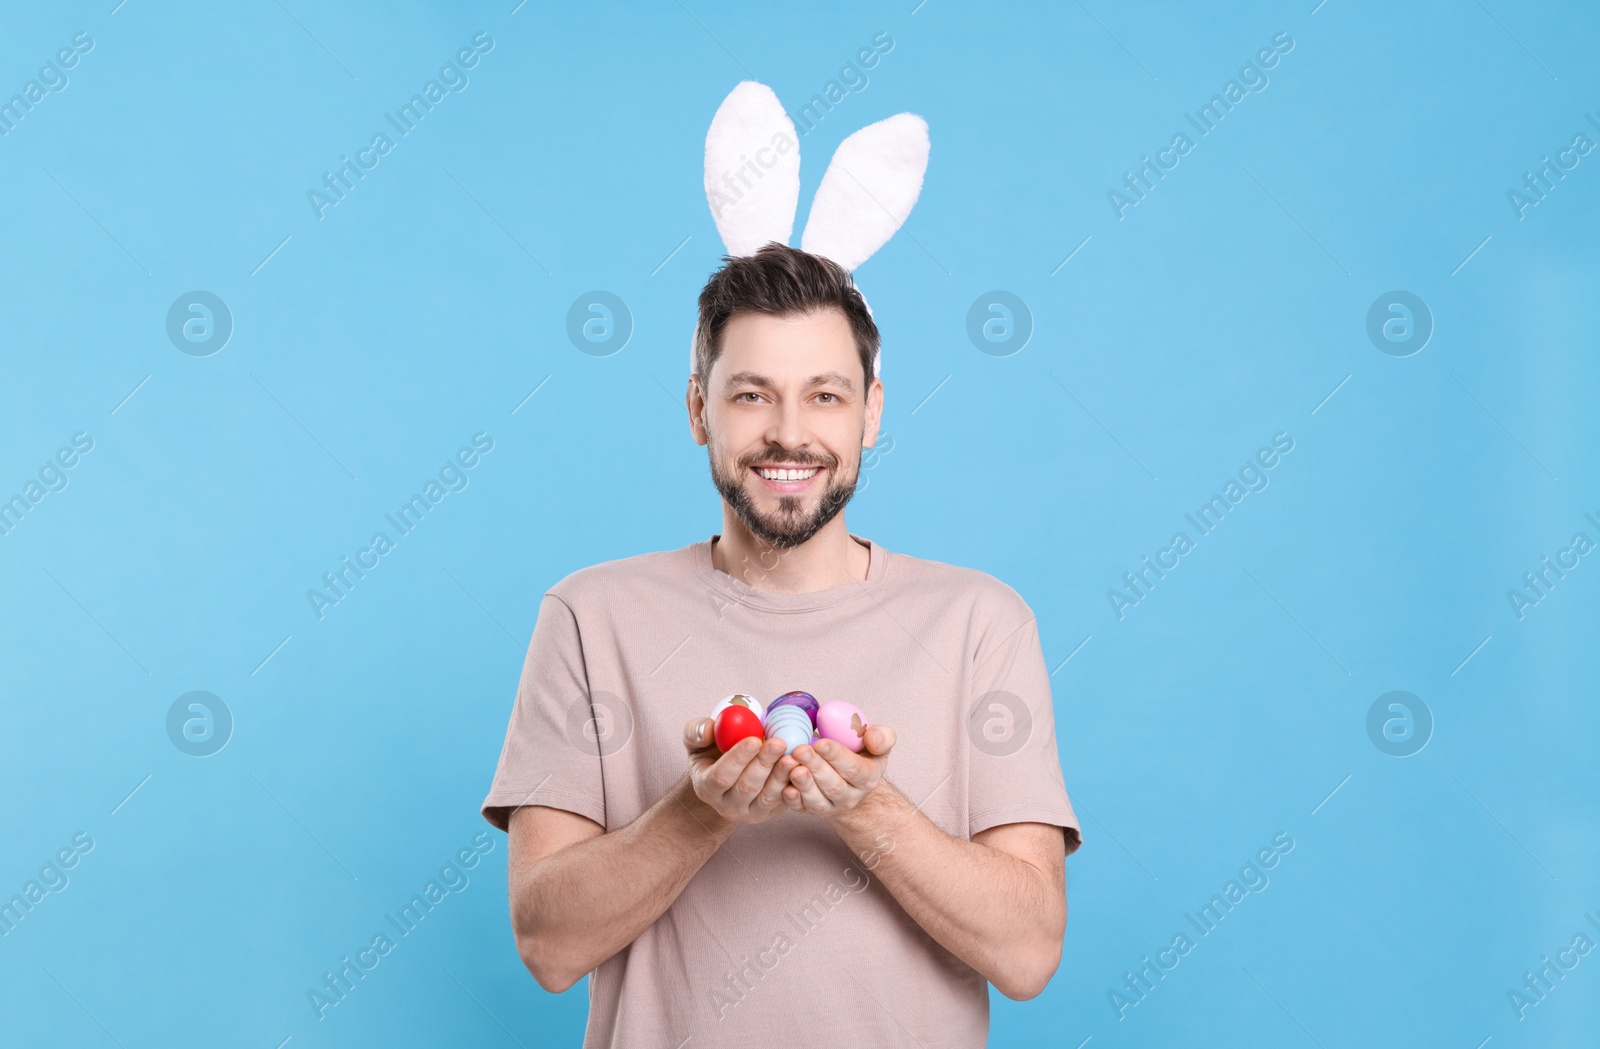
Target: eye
x: 833, y: 395
x: 747, y: 393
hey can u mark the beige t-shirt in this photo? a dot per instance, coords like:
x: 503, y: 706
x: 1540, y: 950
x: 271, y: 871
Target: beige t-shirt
x: 785, y: 937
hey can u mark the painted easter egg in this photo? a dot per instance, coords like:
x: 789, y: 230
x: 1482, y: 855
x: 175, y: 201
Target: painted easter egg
x: 734, y: 723
x: 793, y: 732
x: 741, y: 700
x: 791, y: 725
x: 843, y: 723
x: 787, y: 710
x: 787, y: 716
x: 803, y: 700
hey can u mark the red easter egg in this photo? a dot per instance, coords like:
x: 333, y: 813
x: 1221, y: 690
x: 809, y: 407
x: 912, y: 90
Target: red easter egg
x: 734, y: 724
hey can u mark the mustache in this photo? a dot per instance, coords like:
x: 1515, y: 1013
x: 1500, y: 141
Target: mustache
x: 793, y: 460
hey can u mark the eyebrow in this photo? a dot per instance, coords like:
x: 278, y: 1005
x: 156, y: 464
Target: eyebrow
x: 757, y: 379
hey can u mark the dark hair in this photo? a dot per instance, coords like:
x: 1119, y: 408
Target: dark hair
x: 782, y: 281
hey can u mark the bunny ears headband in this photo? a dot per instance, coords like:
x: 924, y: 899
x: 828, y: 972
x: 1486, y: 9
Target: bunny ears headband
x: 753, y: 181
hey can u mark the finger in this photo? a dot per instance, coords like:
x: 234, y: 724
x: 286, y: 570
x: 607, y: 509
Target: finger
x: 832, y: 785
x: 879, y: 739
x: 724, y: 774
x: 756, y: 772
x: 703, y: 753
x: 811, y: 798
x: 789, y: 796
x: 698, y: 734
x: 782, y: 770
x: 772, y: 792
x: 851, y: 767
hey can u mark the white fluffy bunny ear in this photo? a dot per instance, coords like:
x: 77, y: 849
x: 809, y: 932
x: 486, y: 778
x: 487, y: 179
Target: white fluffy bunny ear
x: 752, y: 169
x: 871, y: 185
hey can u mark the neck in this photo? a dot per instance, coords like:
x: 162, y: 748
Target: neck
x: 828, y: 559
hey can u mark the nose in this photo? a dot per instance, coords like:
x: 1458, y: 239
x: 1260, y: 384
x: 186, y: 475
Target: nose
x: 788, y: 429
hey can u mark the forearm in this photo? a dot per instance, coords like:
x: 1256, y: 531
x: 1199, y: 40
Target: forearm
x: 995, y: 912
x: 586, y: 902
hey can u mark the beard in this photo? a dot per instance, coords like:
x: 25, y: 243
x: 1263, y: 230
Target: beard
x: 791, y: 524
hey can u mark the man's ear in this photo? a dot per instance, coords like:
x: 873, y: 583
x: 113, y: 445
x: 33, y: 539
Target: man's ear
x: 695, y: 402
x: 874, y: 420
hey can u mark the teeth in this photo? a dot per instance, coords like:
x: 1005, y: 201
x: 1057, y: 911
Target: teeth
x: 786, y: 475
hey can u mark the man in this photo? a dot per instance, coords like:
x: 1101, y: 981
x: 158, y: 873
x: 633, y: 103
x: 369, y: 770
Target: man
x: 755, y: 898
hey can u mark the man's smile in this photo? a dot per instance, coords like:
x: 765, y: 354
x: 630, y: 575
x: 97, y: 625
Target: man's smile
x: 786, y: 480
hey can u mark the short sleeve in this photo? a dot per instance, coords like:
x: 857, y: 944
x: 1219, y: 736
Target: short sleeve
x: 1016, y: 773
x: 551, y: 756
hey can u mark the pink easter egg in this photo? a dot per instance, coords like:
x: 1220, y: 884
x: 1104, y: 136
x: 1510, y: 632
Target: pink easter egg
x: 843, y: 723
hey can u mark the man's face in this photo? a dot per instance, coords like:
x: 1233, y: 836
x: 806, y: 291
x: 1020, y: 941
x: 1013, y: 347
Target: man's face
x: 787, y: 392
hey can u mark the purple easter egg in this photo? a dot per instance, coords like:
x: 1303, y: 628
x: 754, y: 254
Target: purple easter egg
x: 804, y: 700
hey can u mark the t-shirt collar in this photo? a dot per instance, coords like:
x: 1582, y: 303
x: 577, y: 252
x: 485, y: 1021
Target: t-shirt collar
x: 773, y: 601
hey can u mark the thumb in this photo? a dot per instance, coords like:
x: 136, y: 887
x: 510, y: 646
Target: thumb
x: 879, y: 739
x: 697, y: 734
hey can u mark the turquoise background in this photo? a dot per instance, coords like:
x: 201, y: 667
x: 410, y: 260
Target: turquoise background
x: 1165, y: 347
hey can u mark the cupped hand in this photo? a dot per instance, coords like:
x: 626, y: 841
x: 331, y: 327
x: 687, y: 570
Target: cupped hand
x: 832, y: 780
x: 748, y: 784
